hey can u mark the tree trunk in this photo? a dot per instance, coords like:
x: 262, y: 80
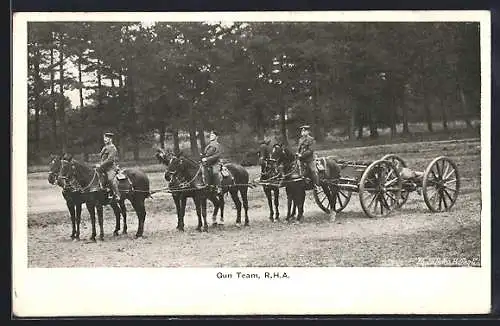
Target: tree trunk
x: 53, y: 113
x: 162, y: 130
x: 61, y: 108
x: 38, y: 91
x: 80, y: 84
x: 193, y: 142
x: 352, y: 123
x: 317, y: 119
x: 282, y: 119
x: 99, y: 85
x: 425, y: 94
x: 443, y: 113
x: 463, y: 101
x: 175, y: 136
x: 201, y: 136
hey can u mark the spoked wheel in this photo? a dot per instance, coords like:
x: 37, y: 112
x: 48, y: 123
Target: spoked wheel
x: 399, y: 163
x: 340, y: 198
x: 380, y: 189
x: 441, y: 184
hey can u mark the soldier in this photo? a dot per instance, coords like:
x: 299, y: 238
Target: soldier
x: 109, y: 158
x: 264, y: 152
x: 305, y: 152
x: 211, y: 160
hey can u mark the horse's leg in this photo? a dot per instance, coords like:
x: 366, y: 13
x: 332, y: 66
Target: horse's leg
x: 277, y: 202
x: 204, y: 213
x: 267, y: 191
x: 237, y: 203
x: 289, y: 200
x: 140, y: 210
x: 180, y: 221
x: 101, y: 221
x: 301, y: 198
x: 78, y: 219
x: 71, y: 207
x: 91, y: 209
x: 221, y: 206
x: 123, y: 210
x: 197, y: 204
x: 216, y: 202
x: 182, y: 208
x: 116, y: 210
x: 244, y: 199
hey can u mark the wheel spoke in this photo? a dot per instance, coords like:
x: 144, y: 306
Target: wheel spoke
x: 391, y: 182
x: 440, y: 200
x: 369, y: 189
x: 373, y: 199
x: 380, y: 200
x: 448, y: 195
x: 445, y: 172
x: 449, y: 188
x: 450, y: 181
x: 393, y: 189
x: 449, y: 174
x: 391, y: 195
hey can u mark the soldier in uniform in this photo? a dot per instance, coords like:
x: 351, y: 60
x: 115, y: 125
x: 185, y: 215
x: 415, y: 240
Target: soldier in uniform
x: 264, y: 152
x: 305, y: 152
x: 109, y: 158
x: 211, y: 160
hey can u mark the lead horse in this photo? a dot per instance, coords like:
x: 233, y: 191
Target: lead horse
x: 185, y: 179
x: 134, y: 187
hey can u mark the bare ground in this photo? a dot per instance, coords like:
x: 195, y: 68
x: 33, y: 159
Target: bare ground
x: 412, y: 236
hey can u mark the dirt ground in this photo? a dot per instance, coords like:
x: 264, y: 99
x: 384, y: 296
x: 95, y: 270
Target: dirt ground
x: 412, y: 236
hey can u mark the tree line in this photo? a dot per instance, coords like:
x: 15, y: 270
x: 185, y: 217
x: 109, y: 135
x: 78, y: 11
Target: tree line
x: 188, y: 78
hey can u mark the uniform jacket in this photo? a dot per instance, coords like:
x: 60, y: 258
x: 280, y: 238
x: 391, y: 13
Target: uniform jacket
x: 213, y: 152
x: 306, y: 144
x: 109, y: 156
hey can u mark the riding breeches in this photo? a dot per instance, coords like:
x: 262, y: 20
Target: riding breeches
x: 312, y: 171
x: 111, y: 174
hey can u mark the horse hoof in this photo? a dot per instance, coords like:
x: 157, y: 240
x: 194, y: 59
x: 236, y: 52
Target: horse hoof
x: 93, y: 239
x: 115, y: 233
x: 205, y: 229
x: 198, y: 229
x: 137, y: 236
x: 124, y: 232
x: 238, y: 225
x: 101, y: 238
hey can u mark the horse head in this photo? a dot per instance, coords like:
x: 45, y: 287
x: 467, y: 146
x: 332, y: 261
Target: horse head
x: 66, y: 170
x: 181, y: 169
x: 54, y: 169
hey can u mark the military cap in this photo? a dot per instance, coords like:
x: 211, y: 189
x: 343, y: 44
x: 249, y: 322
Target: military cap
x: 307, y: 127
x: 109, y: 134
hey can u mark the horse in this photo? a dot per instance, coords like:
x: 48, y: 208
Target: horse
x: 180, y: 197
x: 269, y: 176
x: 134, y: 186
x: 295, y: 182
x: 71, y: 195
x: 185, y: 175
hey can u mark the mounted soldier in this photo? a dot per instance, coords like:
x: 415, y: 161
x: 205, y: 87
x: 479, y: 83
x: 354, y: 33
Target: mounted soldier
x: 211, y: 162
x: 305, y: 153
x: 109, y: 158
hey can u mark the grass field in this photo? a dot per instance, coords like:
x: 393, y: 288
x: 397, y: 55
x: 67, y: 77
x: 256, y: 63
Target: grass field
x: 412, y: 236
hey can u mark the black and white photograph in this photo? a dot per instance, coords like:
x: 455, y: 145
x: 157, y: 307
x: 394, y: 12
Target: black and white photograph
x: 251, y: 163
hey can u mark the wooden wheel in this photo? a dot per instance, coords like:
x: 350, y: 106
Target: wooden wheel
x: 380, y: 189
x: 340, y: 198
x: 398, y: 163
x: 441, y: 184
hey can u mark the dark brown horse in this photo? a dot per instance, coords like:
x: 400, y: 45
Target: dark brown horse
x: 296, y: 183
x: 134, y: 187
x: 185, y: 178
x: 71, y: 194
x: 269, y: 178
x: 180, y: 196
